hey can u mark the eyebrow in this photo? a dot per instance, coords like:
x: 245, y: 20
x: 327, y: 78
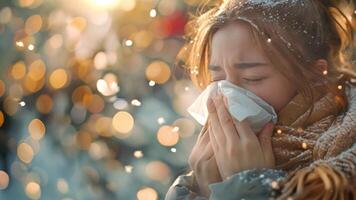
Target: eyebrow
x: 242, y: 65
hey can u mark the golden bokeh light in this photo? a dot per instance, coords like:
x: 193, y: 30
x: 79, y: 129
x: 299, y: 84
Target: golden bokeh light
x: 83, y: 140
x: 108, y: 85
x: 82, y: 95
x: 143, y: 39
x: 126, y: 5
x: 10, y: 105
x: 37, y: 70
x: 58, y: 78
x: 123, y: 122
x: 18, y: 70
x: 31, y: 85
x: 2, y: 118
x: 147, y: 193
x: 98, y: 150
x: 5, y: 15
x: 158, y: 171
x: 186, y: 127
x: 33, y: 190
x: 103, y: 126
x: 2, y: 88
x: 44, y: 104
x: 25, y: 153
x: 33, y: 24
x: 15, y: 91
x: 29, y: 3
x: 56, y: 41
x: 158, y: 71
x: 96, y: 105
x: 79, y: 23
x: 37, y: 129
x: 100, y: 60
x: 167, y: 136
x: 104, y: 4
x: 4, y: 180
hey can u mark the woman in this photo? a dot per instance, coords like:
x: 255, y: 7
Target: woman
x: 295, y: 55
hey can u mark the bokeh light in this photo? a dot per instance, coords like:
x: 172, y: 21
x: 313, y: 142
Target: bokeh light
x: 4, y: 180
x: 44, y: 104
x: 167, y: 136
x: 158, y: 72
x: 25, y: 153
x: 123, y: 122
x: 58, y: 78
x: 2, y: 118
x: 18, y: 70
x: 147, y: 193
x: 37, y: 129
x: 158, y: 171
x: 88, y: 101
x: 33, y: 190
x: 33, y: 24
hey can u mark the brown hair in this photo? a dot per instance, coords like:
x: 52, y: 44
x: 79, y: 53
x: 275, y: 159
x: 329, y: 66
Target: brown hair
x: 298, y: 32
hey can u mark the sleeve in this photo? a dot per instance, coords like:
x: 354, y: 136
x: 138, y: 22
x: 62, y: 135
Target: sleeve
x: 252, y: 184
x: 324, y: 179
x: 183, y: 189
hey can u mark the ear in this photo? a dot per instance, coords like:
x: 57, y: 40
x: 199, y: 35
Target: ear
x: 321, y: 65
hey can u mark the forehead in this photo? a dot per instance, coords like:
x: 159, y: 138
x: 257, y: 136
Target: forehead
x: 234, y: 37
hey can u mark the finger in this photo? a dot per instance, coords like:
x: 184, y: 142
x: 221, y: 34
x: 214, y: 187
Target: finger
x: 204, y: 139
x: 264, y: 138
x: 215, y: 127
x: 213, y: 141
x: 244, y: 130
x: 203, y: 130
x: 208, y: 152
x: 225, y: 119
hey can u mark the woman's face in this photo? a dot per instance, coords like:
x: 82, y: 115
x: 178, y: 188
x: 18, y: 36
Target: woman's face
x: 235, y: 57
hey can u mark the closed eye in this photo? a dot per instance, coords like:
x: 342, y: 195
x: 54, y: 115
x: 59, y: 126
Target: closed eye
x: 253, y: 80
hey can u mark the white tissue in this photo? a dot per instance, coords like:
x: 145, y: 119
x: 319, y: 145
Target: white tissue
x: 242, y: 104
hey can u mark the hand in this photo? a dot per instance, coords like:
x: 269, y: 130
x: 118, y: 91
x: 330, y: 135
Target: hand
x: 235, y: 145
x: 202, y: 162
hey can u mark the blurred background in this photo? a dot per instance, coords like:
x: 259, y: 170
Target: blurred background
x: 92, y: 105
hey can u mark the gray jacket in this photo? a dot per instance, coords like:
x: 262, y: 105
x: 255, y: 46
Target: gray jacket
x: 256, y: 184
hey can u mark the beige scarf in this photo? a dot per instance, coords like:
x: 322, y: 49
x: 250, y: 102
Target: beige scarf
x: 318, y: 151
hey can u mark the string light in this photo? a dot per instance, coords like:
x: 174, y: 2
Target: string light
x: 160, y: 120
x: 138, y: 154
x: 135, y: 102
x: 128, y: 168
x: 20, y: 44
x: 152, y: 83
x: 22, y: 104
x: 129, y: 43
x: 153, y: 12
x: 31, y: 47
x: 304, y: 145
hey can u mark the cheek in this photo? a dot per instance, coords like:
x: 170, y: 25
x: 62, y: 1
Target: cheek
x: 276, y: 91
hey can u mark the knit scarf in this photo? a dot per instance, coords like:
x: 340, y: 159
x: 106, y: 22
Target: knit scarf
x: 318, y: 151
